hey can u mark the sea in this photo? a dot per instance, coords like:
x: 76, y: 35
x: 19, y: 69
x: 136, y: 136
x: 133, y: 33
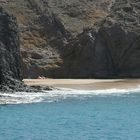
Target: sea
x: 66, y: 114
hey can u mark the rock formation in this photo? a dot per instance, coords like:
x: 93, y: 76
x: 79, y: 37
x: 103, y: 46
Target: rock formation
x: 109, y: 49
x: 79, y: 38
x: 10, y: 58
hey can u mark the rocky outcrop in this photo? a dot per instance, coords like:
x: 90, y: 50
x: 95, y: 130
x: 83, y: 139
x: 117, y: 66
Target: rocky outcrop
x: 80, y: 39
x: 10, y: 58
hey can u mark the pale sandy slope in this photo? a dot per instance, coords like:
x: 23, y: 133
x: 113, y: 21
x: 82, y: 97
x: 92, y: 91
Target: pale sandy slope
x: 86, y: 84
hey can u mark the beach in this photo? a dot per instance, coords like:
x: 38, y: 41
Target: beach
x: 86, y: 84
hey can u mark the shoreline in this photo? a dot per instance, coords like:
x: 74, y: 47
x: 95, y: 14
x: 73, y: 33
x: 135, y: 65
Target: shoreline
x: 63, y: 87
x: 86, y: 84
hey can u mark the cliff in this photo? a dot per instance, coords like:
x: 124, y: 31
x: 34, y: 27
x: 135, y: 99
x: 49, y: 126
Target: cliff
x: 10, y: 58
x: 78, y: 38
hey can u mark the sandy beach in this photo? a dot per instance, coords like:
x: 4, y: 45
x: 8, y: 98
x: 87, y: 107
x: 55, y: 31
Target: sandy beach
x: 86, y: 84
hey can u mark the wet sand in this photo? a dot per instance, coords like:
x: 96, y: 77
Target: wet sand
x: 86, y: 84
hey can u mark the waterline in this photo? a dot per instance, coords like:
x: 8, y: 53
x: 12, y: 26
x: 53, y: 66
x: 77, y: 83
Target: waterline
x: 61, y: 94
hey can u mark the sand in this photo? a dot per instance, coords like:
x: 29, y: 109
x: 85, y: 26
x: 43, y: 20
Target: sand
x: 86, y: 84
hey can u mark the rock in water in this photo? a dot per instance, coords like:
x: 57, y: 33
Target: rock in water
x: 10, y: 58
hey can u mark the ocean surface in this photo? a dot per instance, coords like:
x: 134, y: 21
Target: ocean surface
x: 71, y: 115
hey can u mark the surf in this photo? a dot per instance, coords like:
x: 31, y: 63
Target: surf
x: 61, y: 94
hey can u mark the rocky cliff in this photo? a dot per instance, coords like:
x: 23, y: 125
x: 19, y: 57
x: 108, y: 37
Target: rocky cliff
x: 10, y: 58
x: 78, y: 38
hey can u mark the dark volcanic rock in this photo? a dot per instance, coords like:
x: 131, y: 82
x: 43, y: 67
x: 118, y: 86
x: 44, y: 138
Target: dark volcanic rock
x: 10, y: 58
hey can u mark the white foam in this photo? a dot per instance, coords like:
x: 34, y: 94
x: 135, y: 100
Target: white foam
x: 60, y: 94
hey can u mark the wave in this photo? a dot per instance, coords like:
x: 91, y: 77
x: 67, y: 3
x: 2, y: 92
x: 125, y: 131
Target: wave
x: 61, y: 94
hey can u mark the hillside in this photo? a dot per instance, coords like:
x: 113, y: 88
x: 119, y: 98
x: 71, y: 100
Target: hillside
x: 78, y: 38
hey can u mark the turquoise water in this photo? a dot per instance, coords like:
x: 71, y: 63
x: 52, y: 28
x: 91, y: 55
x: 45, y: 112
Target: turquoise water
x: 89, y: 118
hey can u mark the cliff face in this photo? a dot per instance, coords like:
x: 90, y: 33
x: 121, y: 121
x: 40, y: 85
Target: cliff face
x: 78, y: 38
x: 10, y: 58
x: 110, y: 49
